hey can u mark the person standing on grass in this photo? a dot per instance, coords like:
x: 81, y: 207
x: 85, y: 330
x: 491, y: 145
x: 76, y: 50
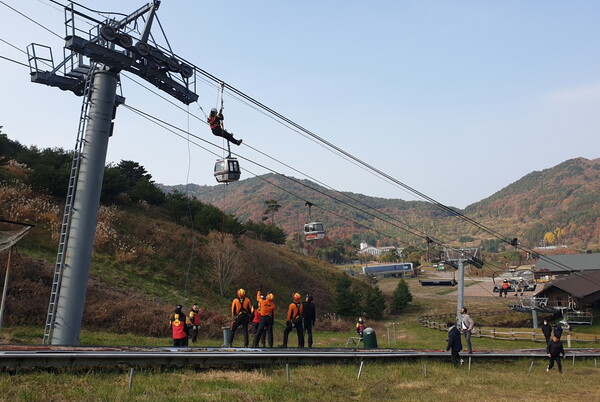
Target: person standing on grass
x: 267, y: 317
x: 179, y: 327
x: 240, y: 312
x: 555, y: 351
x: 454, y: 343
x: 547, y: 331
x: 255, y: 322
x: 557, y: 330
x: 195, y: 322
x: 467, y: 325
x: 310, y: 316
x: 294, y: 320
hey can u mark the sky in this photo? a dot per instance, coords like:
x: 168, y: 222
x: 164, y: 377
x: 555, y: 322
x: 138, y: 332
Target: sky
x: 456, y: 99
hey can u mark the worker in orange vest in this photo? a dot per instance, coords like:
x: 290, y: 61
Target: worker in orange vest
x: 294, y: 320
x: 214, y: 120
x: 267, y: 317
x: 240, y: 312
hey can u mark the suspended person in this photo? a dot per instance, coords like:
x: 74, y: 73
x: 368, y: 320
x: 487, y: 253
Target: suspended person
x: 294, y: 320
x: 267, y: 317
x: 195, y: 322
x: 179, y: 327
x: 255, y: 322
x: 310, y: 316
x: 240, y: 312
x: 215, y: 121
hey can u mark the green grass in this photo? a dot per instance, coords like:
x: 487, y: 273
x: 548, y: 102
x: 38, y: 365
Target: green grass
x: 379, y: 381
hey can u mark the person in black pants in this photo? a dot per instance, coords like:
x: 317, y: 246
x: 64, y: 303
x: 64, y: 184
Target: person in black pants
x: 310, y: 316
x: 454, y: 343
x: 555, y: 351
x: 547, y: 331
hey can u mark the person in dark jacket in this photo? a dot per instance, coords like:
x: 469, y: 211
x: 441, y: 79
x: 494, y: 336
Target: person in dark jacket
x: 557, y: 330
x: 555, y: 351
x: 310, y: 316
x: 214, y: 120
x: 195, y: 322
x: 547, y: 331
x: 454, y: 343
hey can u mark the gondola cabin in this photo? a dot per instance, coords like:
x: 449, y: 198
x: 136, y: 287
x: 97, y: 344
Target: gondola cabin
x: 227, y: 170
x: 314, y: 231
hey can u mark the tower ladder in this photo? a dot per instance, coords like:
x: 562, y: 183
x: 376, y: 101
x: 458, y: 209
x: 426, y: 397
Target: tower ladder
x: 68, y: 211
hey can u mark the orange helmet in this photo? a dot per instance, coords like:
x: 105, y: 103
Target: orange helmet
x: 296, y: 297
x: 271, y: 297
x: 241, y: 292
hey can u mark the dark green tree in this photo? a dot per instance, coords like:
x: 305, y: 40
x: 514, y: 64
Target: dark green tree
x: 374, y: 303
x: 401, y: 297
x: 347, y: 300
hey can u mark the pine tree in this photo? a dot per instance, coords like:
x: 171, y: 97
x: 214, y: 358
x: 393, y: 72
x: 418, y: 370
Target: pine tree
x: 401, y: 297
x: 347, y: 298
x: 374, y: 303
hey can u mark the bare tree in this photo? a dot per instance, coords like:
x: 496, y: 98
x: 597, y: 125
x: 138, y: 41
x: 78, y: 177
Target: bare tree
x: 224, y: 259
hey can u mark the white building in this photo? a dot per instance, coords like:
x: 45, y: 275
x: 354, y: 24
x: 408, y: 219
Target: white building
x: 375, y: 251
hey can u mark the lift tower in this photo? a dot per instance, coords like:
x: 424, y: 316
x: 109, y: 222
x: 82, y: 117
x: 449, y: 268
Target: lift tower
x: 91, y: 68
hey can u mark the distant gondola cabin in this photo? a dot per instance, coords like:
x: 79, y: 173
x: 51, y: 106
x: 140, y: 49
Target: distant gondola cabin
x: 227, y: 170
x: 314, y: 231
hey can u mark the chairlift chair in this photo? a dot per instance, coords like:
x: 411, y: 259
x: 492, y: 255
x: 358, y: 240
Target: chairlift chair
x: 313, y: 230
x: 227, y: 170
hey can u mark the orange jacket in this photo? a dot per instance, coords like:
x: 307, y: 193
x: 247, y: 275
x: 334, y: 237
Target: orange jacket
x: 295, y: 310
x: 178, y: 324
x: 239, y: 306
x: 266, y: 307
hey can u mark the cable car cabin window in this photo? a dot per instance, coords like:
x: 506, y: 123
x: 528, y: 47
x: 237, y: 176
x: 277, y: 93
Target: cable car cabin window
x: 219, y: 166
x: 227, y: 170
x: 313, y: 227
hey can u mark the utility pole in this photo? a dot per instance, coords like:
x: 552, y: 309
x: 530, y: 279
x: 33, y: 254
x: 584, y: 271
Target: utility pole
x: 457, y: 258
x: 110, y: 46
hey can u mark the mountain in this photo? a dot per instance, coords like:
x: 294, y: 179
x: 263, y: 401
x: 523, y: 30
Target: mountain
x: 564, y: 197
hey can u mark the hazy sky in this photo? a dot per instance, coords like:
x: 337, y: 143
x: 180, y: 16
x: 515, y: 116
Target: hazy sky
x: 457, y: 99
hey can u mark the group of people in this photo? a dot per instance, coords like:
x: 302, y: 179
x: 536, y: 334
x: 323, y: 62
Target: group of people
x: 261, y: 315
x: 185, y: 326
x: 552, y: 333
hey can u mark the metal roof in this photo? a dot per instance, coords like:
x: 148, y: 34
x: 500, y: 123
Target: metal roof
x: 574, y: 262
x: 579, y: 285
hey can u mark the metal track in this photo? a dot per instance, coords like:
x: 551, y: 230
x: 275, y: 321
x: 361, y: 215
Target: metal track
x: 12, y: 359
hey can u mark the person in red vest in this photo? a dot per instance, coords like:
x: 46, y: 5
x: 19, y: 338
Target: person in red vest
x: 179, y: 327
x: 240, y: 312
x: 195, y: 322
x: 294, y: 320
x: 267, y: 317
x: 255, y: 322
x: 214, y: 120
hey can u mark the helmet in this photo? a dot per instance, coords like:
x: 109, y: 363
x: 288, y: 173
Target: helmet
x: 213, y: 110
x: 296, y: 297
x: 241, y: 292
x: 271, y: 297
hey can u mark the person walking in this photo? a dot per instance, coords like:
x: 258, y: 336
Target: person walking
x: 294, y: 320
x: 555, y: 351
x: 216, y: 126
x: 195, y: 322
x: 179, y: 327
x: 467, y: 325
x: 267, y: 317
x: 240, y: 312
x: 547, y: 331
x: 454, y: 344
x: 310, y: 316
x: 255, y: 322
